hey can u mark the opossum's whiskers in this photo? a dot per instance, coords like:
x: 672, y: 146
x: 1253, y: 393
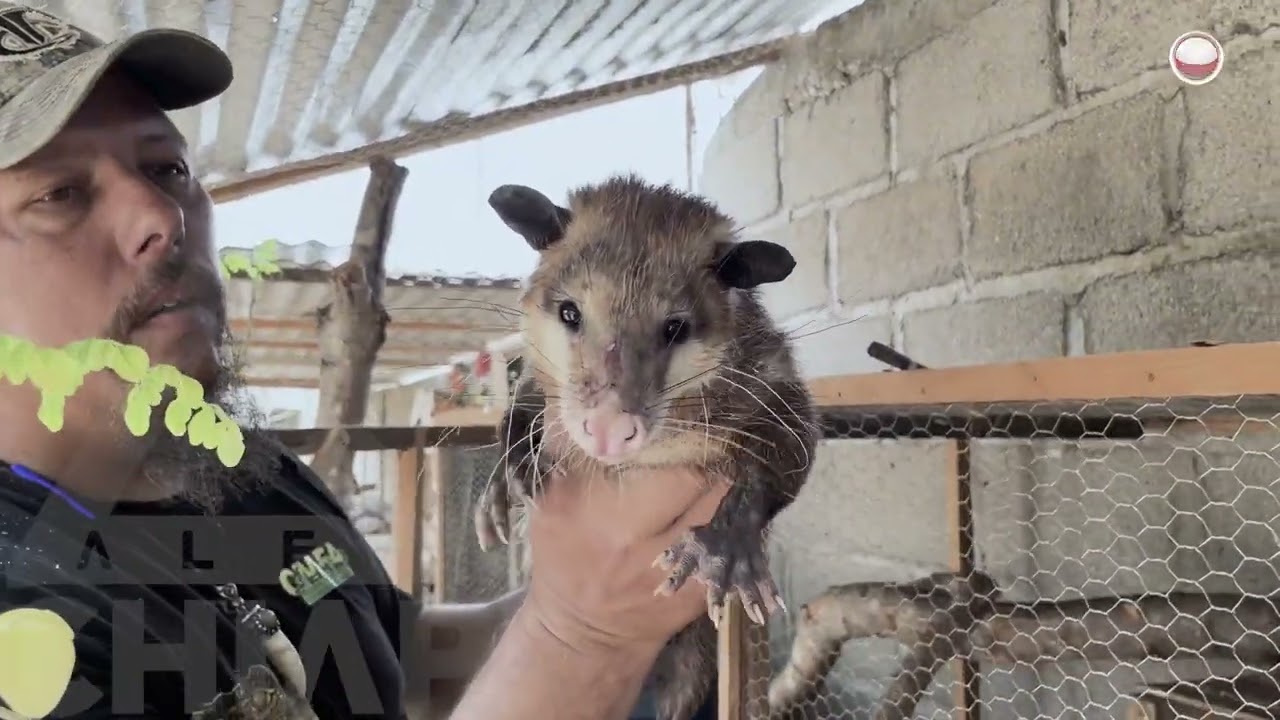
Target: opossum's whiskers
x: 465, y: 304
x: 665, y: 392
x: 727, y: 441
x: 709, y: 426
x: 800, y: 441
x: 511, y: 446
x: 533, y: 346
x: 791, y: 334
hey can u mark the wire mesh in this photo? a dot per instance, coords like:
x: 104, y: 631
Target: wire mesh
x: 469, y: 574
x: 1115, y: 559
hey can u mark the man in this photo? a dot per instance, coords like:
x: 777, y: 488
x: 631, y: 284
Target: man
x: 191, y: 589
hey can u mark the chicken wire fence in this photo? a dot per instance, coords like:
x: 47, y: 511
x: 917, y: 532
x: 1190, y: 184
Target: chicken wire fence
x: 1116, y: 559
x: 469, y: 573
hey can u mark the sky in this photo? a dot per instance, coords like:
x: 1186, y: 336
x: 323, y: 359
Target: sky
x: 443, y: 223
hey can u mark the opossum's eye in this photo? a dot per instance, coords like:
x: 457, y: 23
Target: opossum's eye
x: 570, y: 315
x: 675, y: 331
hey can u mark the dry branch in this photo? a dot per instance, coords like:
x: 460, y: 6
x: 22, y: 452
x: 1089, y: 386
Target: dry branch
x: 945, y: 616
x: 353, y: 327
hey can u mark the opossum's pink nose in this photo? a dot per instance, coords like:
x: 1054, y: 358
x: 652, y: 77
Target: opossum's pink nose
x: 612, y: 433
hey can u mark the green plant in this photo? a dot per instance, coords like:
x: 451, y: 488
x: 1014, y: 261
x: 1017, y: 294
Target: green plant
x: 58, y: 372
x: 258, y: 263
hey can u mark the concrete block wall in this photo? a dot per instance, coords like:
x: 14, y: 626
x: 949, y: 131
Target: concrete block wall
x: 976, y: 181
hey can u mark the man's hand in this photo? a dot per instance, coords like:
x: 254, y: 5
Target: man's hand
x: 594, y: 542
x: 591, y: 624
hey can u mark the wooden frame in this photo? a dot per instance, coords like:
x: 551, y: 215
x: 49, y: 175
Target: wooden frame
x: 1225, y: 371
x: 1048, y: 386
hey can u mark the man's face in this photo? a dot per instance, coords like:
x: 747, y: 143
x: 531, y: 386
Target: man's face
x: 106, y: 227
x: 105, y: 232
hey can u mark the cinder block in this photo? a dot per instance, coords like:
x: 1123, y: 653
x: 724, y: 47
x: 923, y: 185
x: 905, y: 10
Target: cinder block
x: 1233, y: 144
x: 1112, y: 42
x: 872, y: 511
x: 1085, y: 189
x: 815, y: 341
x: 740, y: 172
x: 1060, y: 519
x: 1057, y: 519
x: 992, y: 331
x: 907, y: 238
x: 871, y: 499
x: 807, y: 287
x: 1229, y: 299
x: 762, y: 103
x: 837, y: 142
x: 991, y: 75
x: 1227, y: 529
x: 873, y: 36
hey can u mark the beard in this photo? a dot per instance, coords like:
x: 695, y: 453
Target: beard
x: 194, y: 473
x: 172, y: 464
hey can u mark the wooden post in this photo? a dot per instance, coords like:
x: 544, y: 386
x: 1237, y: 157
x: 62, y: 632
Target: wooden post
x: 743, y: 666
x: 732, y: 662
x: 441, y: 477
x: 353, y: 326
x: 967, y: 690
x: 406, y: 524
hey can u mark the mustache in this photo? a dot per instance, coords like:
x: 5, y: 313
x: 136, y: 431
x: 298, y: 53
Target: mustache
x: 201, y: 286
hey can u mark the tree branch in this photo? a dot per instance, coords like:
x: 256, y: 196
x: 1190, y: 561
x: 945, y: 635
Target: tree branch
x: 944, y: 616
x: 353, y: 327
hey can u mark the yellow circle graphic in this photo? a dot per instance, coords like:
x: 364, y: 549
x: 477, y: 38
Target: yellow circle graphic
x: 37, y: 655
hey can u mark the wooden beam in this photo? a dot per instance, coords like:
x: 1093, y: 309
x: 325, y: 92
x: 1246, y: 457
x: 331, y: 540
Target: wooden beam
x: 353, y: 326
x: 962, y: 560
x: 441, y: 473
x: 314, y: 346
x: 320, y: 274
x: 1222, y: 371
x: 306, y: 441
x: 406, y: 522
x: 278, y: 382
x: 241, y: 325
x: 733, y: 662
x: 301, y: 383
x: 310, y: 361
x: 455, y: 128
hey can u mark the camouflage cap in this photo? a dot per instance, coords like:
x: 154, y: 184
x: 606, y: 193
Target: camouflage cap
x: 48, y: 67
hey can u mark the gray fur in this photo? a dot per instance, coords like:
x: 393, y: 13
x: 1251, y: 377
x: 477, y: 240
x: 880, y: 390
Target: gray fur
x: 647, y: 252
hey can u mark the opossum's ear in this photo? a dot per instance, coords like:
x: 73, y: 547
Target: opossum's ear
x: 531, y: 214
x: 751, y: 263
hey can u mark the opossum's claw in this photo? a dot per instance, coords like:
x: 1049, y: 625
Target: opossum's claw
x: 492, y: 516
x: 725, y: 559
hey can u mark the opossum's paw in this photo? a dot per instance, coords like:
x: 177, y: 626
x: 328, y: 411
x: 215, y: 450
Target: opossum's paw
x: 524, y: 474
x: 493, y: 515
x: 725, y: 559
x: 522, y: 478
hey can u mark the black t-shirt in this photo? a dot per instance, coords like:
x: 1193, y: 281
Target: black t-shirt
x: 138, y: 585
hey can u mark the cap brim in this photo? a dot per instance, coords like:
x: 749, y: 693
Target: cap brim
x: 178, y: 69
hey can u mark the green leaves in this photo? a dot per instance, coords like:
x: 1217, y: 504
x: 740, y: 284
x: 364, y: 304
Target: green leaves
x: 257, y: 264
x: 59, y: 372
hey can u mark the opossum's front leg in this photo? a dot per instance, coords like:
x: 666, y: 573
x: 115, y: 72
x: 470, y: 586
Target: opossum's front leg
x: 522, y: 469
x: 727, y: 554
x: 768, y: 464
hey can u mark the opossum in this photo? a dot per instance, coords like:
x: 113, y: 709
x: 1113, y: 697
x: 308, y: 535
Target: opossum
x: 648, y: 344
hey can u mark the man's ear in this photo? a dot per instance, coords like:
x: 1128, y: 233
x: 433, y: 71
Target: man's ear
x: 754, y: 262
x: 531, y: 214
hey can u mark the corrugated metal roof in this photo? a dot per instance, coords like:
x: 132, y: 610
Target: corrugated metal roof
x: 318, y: 80
x: 434, y: 318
